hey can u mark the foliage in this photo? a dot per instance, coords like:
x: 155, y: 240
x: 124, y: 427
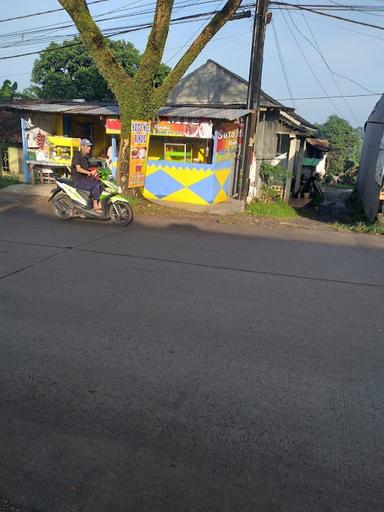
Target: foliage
x: 30, y: 93
x: 374, y: 228
x: 8, y: 90
x: 345, y: 148
x: 5, y: 181
x: 269, y: 194
x: 278, y: 209
x: 359, y: 222
x: 67, y: 71
x: 273, y: 175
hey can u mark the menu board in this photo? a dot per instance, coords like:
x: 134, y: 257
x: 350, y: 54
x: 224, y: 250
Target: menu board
x: 140, y: 132
x: 227, y: 142
x: 190, y: 129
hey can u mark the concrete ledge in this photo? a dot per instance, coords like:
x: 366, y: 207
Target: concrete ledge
x: 230, y: 207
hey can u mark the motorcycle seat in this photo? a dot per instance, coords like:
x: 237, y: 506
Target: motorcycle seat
x: 66, y: 181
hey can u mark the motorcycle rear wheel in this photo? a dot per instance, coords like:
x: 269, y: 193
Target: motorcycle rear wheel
x: 121, y: 213
x: 61, y: 205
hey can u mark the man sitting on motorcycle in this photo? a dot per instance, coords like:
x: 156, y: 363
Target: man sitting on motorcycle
x: 84, y: 178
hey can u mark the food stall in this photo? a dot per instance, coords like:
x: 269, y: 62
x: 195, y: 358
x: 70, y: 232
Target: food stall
x: 189, y: 160
x: 52, y: 132
x: 49, y: 156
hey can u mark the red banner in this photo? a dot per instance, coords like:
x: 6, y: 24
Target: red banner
x: 113, y: 126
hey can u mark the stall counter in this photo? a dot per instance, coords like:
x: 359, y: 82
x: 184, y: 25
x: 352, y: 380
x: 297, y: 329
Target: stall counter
x: 201, y: 184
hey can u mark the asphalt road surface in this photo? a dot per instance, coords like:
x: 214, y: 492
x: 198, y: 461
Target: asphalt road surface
x: 170, y: 367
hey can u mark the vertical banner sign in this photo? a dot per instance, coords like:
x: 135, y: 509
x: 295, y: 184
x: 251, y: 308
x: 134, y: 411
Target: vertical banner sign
x: 140, y: 132
x: 227, y: 142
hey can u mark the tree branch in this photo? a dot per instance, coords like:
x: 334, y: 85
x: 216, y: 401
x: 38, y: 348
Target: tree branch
x: 218, y: 21
x: 98, y: 45
x: 154, y: 50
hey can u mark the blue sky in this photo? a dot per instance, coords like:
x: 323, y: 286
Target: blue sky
x: 349, y: 50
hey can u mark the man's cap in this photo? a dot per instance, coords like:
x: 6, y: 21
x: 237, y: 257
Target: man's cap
x: 85, y: 142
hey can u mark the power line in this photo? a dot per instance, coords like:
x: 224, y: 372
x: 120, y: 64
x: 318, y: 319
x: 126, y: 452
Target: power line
x: 331, y: 72
x: 126, y: 30
x: 339, y: 7
x: 47, y: 29
x: 282, y: 63
x: 45, y: 12
x: 354, y: 9
x: 318, y: 50
x: 308, y: 63
x: 348, y: 29
x: 305, y: 98
x: 191, y: 38
x: 361, y: 23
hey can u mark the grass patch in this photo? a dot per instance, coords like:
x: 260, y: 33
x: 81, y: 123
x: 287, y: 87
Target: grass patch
x: 359, y: 222
x: 5, y: 181
x: 276, y: 209
x: 374, y: 228
x: 341, y: 186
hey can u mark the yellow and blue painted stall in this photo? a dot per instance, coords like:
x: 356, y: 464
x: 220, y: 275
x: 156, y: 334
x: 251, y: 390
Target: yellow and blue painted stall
x: 205, y: 175
x: 182, y: 182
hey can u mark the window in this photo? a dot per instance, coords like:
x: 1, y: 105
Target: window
x: 5, y: 160
x: 178, y: 152
x: 282, y: 145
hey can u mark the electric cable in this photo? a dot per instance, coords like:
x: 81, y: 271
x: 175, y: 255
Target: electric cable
x: 353, y: 9
x: 318, y: 50
x: 332, y: 73
x: 309, y: 64
x: 44, y: 12
x: 282, y: 64
x: 305, y: 98
x: 191, y: 38
x: 48, y: 29
x: 133, y: 28
x: 297, y: 6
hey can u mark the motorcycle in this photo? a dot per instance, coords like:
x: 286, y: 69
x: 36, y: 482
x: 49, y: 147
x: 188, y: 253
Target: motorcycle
x: 69, y: 202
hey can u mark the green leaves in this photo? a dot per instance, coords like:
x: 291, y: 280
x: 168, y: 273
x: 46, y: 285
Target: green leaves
x: 8, y: 90
x: 345, y: 145
x: 273, y: 175
x: 67, y: 71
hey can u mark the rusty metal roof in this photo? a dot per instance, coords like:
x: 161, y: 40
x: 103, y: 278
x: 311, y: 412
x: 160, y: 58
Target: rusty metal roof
x: 227, y: 114
x: 66, y: 107
x: 111, y: 109
x: 322, y: 144
x: 10, y: 126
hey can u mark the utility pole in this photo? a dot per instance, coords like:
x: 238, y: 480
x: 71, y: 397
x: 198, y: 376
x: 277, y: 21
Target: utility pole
x: 254, y: 88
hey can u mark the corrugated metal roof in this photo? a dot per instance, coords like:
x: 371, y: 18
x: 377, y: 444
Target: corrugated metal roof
x: 228, y: 114
x: 73, y: 107
x: 322, y: 144
x: 101, y: 109
x: 10, y: 126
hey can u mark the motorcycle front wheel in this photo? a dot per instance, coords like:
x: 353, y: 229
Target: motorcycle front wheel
x: 121, y: 213
x: 62, y: 206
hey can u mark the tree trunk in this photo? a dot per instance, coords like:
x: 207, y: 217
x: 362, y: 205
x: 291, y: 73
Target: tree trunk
x: 123, y: 163
x: 130, y: 111
x: 137, y: 97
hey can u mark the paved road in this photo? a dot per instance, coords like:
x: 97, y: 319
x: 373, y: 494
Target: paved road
x: 175, y: 368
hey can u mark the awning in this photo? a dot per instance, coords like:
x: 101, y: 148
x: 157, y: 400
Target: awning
x: 311, y: 162
x: 227, y: 114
